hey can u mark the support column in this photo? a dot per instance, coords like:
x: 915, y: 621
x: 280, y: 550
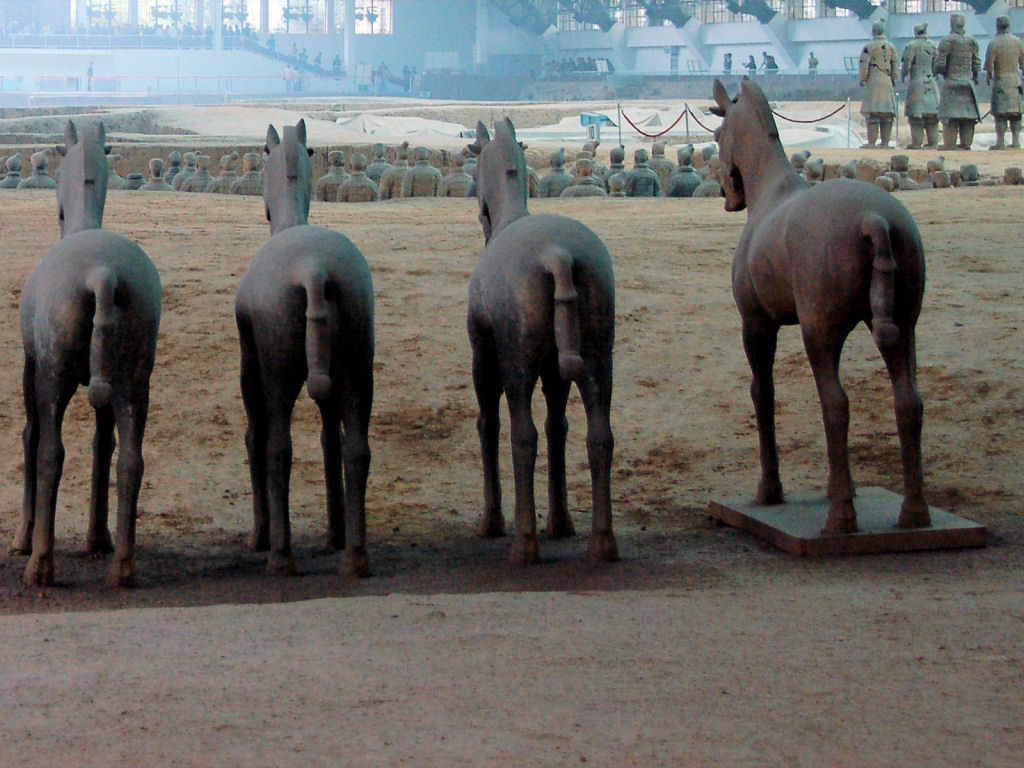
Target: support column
x: 198, y: 22
x: 133, y: 13
x: 482, y: 30
x: 217, y: 9
x: 329, y: 26
x: 264, y: 17
x: 350, y: 34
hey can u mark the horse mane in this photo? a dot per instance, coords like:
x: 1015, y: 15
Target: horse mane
x: 762, y: 108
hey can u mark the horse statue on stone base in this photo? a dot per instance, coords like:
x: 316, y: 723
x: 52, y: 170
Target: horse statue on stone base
x: 305, y: 314
x: 826, y: 257
x: 90, y: 313
x: 541, y: 306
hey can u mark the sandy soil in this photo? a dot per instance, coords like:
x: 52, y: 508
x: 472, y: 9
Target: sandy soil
x: 702, y: 647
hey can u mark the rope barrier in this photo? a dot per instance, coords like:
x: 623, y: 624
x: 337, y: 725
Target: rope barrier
x: 698, y: 122
x: 816, y: 120
x: 652, y: 135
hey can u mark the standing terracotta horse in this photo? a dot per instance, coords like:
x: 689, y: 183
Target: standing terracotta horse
x: 305, y: 314
x: 89, y: 315
x: 541, y: 305
x: 827, y: 257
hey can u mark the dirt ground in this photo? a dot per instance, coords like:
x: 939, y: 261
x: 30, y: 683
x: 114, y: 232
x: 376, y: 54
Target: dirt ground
x: 702, y: 646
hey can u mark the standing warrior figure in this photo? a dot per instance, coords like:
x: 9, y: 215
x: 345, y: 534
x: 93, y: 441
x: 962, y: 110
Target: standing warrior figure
x: 959, y: 63
x: 1004, y: 60
x: 878, y: 71
x: 922, y: 107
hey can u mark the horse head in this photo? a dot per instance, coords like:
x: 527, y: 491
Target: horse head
x: 82, y: 178
x: 288, y: 177
x: 747, y: 135
x: 501, y: 177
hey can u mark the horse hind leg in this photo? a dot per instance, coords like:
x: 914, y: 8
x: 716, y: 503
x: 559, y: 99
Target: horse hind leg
x: 596, y: 392
x: 759, y: 342
x: 524, y: 461
x: 131, y: 426
x: 487, y: 383
x: 356, y: 461
x: 900, y: 361
x: 835, y: 411
x: 22, y: 544
x: 97, y: 539
x: 556, y: 395
x: 255, y: 438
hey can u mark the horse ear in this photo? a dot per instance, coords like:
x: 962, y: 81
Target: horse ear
x: 273, y: 139
x: 70, y: 135
x: 300, y: 130
x: 483, y: 138
x: 722, y: 99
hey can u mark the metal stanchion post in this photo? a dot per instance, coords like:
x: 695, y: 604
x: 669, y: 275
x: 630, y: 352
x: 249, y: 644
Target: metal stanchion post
x: 849, y: 120
x: 686, y: 111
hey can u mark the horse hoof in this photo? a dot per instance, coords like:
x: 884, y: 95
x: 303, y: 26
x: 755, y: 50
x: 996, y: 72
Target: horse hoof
x: 259, y: 540
x: 280, y: 565
x: 354, y: 563
x: 491, y: 527
x: 100, y: 544
x: 769, y: 492
x: 840, y: 520
x: 38, y: 572
x: 602, y: 548
x: 524, y: 551
x: 560, y: 528
x: 121, y: 575
x: 914, y: 516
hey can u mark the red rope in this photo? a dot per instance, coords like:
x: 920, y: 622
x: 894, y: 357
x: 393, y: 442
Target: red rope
x: 651, y: 135
x: 816, y: 120
x: 698, y: 122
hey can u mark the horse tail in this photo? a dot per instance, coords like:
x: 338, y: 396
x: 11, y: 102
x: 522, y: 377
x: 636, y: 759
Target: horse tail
x: 318, y: 342
x: 102, y: 283
x: 559, y: 264
x: 882, y: 292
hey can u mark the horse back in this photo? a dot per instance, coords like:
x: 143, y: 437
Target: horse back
x: 512, y: 285
x: 810, y: 251
x: 271, y: 295
x: 57, y: 305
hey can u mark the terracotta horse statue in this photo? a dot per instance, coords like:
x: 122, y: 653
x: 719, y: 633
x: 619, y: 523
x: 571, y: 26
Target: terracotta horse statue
x: 825, y: 256
x: 305, y: 314
x: 541, y: 305
x: 90, y: 312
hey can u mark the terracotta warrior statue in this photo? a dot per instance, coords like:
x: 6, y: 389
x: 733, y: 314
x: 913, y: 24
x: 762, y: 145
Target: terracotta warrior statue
x: 114, y: 180
x: 922, y: 108
x: 379, y: 165
x: 422, y: 179
x: 13, y: 177
x: 39, y: 179
x: 616, y: 167
x: 251, y: 181
x: 173, y: 165
x: 660, y: 164
x: 156, y: 182
x: 878, y: 69
x: 1004, y: 60
x: 684, y: 179
x: 557, y: 179
x: 358, y: 187
x: 587, y: 184
x: 958, y: 62
x: 222, y: 184
x: 326, y: 187
x: 457, y: 182
x: 642, y: 181
x: 202, y: 177
x: 391, y: 180
x: 188, y: 169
